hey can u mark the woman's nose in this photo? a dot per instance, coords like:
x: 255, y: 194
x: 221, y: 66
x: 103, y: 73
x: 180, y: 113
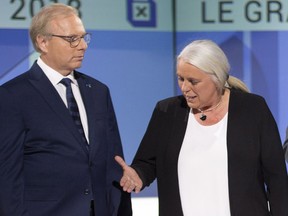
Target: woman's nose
x: 184, y: 86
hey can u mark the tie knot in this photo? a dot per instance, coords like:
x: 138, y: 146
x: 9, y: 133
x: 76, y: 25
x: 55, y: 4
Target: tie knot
x: 66, y: 81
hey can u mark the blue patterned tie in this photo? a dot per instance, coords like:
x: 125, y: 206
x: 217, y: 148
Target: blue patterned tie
x: 73, y: 108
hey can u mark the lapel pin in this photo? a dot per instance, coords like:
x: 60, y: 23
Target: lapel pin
x: 88, y: 85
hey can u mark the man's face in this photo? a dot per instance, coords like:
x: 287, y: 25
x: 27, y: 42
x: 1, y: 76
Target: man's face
x: 57, y: 52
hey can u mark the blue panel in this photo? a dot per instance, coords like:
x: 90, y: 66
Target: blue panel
x: 14, y: 46
x: 265, y: 70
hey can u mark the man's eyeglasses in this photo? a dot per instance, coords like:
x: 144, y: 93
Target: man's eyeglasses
x: 74, y: 40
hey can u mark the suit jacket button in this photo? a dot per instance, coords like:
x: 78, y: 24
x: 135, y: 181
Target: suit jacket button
x: 87, y: 191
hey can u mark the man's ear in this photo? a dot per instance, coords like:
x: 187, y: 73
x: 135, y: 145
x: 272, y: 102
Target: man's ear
x: 42, y: 42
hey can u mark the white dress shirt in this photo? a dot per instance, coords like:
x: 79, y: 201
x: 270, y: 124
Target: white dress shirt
x: 55, y: 78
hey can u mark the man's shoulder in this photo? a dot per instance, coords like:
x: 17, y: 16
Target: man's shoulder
x: 23, y: 78
x: 89, y: 80
x: 16, y: 81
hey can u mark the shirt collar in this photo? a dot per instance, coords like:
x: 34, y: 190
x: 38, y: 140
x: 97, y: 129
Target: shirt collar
x: 54, y: 76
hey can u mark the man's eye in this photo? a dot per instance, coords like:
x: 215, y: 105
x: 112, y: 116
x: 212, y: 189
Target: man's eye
x: 73, y: 39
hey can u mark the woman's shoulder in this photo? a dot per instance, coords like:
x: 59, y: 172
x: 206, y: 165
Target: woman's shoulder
x: 248, y: 102
x: 172, y: 100
x: 245, y: 97
x: 172, y: 103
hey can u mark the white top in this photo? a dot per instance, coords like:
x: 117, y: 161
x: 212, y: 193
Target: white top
x: 55, y: 78
x: 203, y: 171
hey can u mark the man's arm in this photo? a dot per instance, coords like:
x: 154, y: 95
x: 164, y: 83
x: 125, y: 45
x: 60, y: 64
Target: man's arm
x: 11, y: 157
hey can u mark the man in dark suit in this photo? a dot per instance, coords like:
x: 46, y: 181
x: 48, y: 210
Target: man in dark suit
x: 50, y: 165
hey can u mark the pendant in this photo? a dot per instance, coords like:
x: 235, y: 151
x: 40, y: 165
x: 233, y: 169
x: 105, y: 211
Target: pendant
x: 203, y: 117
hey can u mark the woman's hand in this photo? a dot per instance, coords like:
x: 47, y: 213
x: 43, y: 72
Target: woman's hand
x: 130, y: 180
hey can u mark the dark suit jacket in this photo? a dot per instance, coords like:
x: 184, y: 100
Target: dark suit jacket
x: 255, y: 156
x: 45, y: 169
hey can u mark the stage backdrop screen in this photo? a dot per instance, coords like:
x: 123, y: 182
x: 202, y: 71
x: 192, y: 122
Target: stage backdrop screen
x: 135, y: 43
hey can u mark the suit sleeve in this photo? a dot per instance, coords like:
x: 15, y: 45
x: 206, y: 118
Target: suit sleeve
x: 12, y: 137
x: 273, y: 163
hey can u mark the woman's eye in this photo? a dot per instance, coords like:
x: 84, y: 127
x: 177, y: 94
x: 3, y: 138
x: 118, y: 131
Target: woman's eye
x: 194, y: 82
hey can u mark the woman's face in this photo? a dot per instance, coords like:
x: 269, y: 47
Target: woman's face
x: 196, y: 86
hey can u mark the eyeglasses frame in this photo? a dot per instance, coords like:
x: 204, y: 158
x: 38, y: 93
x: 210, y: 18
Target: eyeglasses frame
x: 69, y: 38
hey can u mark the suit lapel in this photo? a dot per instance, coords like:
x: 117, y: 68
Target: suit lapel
x: 42, y: 84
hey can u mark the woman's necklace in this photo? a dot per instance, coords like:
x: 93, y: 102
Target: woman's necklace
x: 203, y: 117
